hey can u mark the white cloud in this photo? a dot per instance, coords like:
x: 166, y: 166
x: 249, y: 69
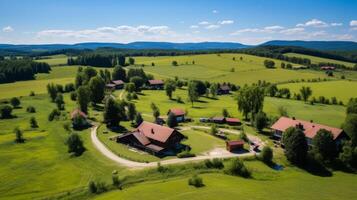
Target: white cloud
x: 224, y: 22
x: 7, y: 29
x: 194, y: 26
x: 273, y: 28
x: 313, y: 23
x: 214, y: 11
x: 336, y: 24
x: 318, y: 33
x: 268, y: 29
x: 353, y: 23
x: 247, y: 30
x: 343, y: 37
x: 212, y: 27
x: 204, y: 23
x: 292, y: 31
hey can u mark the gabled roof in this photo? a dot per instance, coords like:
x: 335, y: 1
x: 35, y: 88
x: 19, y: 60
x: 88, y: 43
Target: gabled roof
x: 77, y: 112
x: 235, y: 143
x: 155, y: 131
x: 156, y: 82
x: 224, y: 87
x: 118, y: 82
x: 177, y: 111
x: 218, y: 118
x: 141, y: 138
x: 310, y: 128
x: 232, y: 120
x: 110, y: 85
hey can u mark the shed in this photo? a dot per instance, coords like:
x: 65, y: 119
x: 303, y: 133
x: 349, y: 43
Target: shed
x: 235, y: 145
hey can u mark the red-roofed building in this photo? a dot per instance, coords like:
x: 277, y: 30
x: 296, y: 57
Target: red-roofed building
x: 79, y: 119
x: 327, y: 68
x: 156, y: 84
x: 236, y: 145
x: 310, y: 129
x: 178, y: 113
x: 223, y: 89
x: 232, y: 121
x: 152, y: 137
x: 119, y: 84
x: 218, y: 120
x: 77, y: 112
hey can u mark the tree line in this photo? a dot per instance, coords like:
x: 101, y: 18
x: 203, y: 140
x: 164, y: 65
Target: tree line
x: 97, y: 60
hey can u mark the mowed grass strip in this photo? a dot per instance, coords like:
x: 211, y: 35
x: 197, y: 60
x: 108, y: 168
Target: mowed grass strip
x: 343, y: 90
x: 316, y: 60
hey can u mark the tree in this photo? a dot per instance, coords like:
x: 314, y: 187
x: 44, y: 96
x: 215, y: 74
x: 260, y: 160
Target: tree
x: 282, y: 65
x: 213, y: 90
x: 174, y: 63
x: 195, y: 181
x: 138, y: 119
x: 348, y: 155
x: 171, y: 120
x: 33, y: 122
x: 5, y: 111
x: 350, y: 127
x: 155, y: 111
x: 138, y: 82
x: 116, y: 181
x: 88, y: 72
x: 192, y: 92
x: 305, y: 92
x: 352, y: 106
x: 52, y: 91
x: 214, y: 129
x: 324, y: 146
x: 269, y: 63
x: 59, y: 101
x: 130, y: 87
x: 271, y: 90
x: 131, y: 111
x: 75, y: 144
x: 267, y: 155
x: 119, y: 73
x: 260, y: 121
x: 18, y: 135
x: 236, y: 167
x: 170, y: 87
x: 225, y: 112
x: 96, y: 87
x: 92, y: 187
x: 295, y: 145
x: 114, y: 112
x: 131, y: 61
x: 15, y: 102
x: 83, y: 98
x: 250, y: 100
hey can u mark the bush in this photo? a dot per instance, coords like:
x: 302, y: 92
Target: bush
x: 92, y: 187
x: 32, y: 93
x: 75, y: 144
x: 18, y: 136
x: 266, y: 155
x: 73, y: 96
x: 237, y: 168
x: 116, y: 181
x: 33, y: 122
x: 30, y: 109
x: 161, y: 168
x: 215, y: 163
x: 195, y: 181
x: 185, y: 154
x: 15, y: 102
x: 5, y: 111
x: 54, y: 115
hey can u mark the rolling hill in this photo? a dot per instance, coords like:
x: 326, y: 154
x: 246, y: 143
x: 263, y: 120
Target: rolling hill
x: 319, y: 45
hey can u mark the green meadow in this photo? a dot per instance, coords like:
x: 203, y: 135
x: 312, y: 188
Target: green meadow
x: 343, y: 90
x: 316, y: 60
x: 54, y: 60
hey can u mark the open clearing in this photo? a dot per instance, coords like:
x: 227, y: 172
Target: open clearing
x: 342, y: 90
x: 54, y: 60
x: 316, y: 60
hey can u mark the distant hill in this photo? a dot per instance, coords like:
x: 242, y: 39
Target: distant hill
x: 319, y: 45
x: 133, y: 45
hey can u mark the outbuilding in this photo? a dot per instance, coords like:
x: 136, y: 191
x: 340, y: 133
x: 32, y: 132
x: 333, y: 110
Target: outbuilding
x: 235, y: 145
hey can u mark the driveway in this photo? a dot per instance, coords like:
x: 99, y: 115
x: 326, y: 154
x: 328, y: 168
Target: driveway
x: 216, y: 153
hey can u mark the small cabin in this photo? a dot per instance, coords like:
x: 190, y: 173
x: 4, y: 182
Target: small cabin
x: 223, y: 89
x: 236, y: 145
x: 118, y: 84
x: 156, y: 84
x: 179, y: 113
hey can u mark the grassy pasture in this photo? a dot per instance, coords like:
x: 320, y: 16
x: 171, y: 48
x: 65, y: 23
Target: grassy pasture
x: 268, y: 184
x: 54, y: 60
x: 342, y: 90
x: 222, y: 68
x: 316, y: 60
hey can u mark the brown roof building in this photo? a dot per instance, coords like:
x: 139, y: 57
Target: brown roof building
x: 152, y: 137
x: 119, y: 84
x: 178, y: 113
x: 77, y: 112
x: 156, y: 84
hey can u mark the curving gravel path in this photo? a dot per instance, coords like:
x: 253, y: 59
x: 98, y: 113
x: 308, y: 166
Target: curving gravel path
x: 134, y: 165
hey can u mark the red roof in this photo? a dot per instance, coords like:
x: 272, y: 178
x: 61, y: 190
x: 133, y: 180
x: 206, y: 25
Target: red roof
x: 155, y: 131
x: 232, y: 120
x: 235, y: 143
x: 310, y: 128
x: 177, y: 111
x: 218, y: 118
x: 76, y: 112
x: 118, y: 82
x: 327, y: 68
x: 156, y: 82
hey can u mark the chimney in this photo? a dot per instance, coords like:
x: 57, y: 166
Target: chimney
x: 152, y: 131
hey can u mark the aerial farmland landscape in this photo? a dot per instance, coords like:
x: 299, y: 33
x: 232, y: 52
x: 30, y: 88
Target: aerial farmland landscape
x: 203, y: 100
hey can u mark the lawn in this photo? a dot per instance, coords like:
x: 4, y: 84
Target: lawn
x: 201, y: 142
x: 222, y: 68
x: 41, y: 167
x: 289, y: 184
x: 316, y: 60
x: 343, y: 90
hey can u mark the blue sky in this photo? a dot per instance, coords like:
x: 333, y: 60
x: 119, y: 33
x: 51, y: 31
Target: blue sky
x: 248, y: 22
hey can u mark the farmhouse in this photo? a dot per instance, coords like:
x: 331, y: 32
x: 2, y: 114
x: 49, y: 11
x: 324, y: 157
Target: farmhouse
x: 218, y: 120
x: 232, y: 121
x: 156, y: 84
x: 119, y: 84
x: 234, y: 146
x: 153, y: 138
x: 327, y: 68
x: 310, y: 129
x: 79, y: 119
x: 223, y: 89
x: 110, y: 86
x: 178, y: 113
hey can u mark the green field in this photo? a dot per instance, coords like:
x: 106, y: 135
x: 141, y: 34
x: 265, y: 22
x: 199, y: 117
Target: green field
x: 316, y: 60
x: 342, y: 90
x: 54, y: 60
x: 288, y: 184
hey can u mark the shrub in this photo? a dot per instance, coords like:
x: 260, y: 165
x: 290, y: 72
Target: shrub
x: 101, y: 187
x: 237, y: 168
x: 5, y: 111
x: 185, y: 154
x: 32, y: 93
x: 134, y: 96
x: 73, y: 96
x: 266, y: 155
x: 116, y: 181
x: 33, y: 122
x: 75, y: 144
x: 195, y: 181
x: 215, y: 163
x: 214, y: 129
x: 15, y: 102
x: 54, y: 115
x: 30, y: 109
x: 92, y: 187
x: 161, y: 168
x: 171, y: 120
